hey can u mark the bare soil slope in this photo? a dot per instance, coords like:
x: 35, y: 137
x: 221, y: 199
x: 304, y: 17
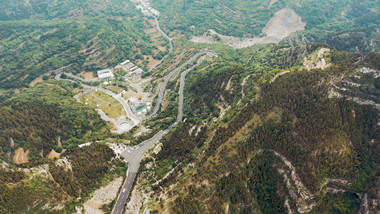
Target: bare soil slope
x: 284, y: 23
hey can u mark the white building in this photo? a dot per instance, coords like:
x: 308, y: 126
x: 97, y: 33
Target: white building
x: 105, y: 74
x: 125, y: 62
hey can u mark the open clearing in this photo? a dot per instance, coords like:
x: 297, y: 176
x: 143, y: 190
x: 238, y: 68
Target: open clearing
x: 109, y: 105
x: 20, y: 156
x: 89, y: 76
x: 284, y: 23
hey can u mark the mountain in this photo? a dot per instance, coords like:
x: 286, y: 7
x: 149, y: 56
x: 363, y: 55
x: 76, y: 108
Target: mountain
x: 292, y: 139
x: 251, y: 106
x: 345, y: 25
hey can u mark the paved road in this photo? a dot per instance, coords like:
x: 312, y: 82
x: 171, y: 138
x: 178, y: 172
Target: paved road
x: 180, y: 92
x: 170, y: 45
x: 136, y: 120
x: 134, y: 154
x: 118, y: 97
x: 168, y: 77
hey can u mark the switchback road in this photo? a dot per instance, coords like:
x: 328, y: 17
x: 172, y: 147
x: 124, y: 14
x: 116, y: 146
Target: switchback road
x: 135, y: 154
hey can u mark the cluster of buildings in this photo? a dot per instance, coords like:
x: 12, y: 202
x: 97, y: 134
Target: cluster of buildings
x: 130, y: 68
x: 105, y: 74
x: 138, y: 107
x: 145, y: 8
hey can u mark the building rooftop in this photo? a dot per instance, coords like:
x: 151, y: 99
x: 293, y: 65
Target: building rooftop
x: 105, y: 74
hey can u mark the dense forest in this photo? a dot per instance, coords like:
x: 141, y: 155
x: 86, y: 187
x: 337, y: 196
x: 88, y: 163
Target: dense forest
x: 215, y: 90
x: 83, y: 176
x: 35, y: 119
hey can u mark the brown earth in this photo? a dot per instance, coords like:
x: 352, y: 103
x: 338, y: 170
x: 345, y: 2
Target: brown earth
x: 129, y: 94
x: 152, y: 61
x: 89, y: 76
x: 50, y: 31
x: 221, y: 109
x: 21, y: 45
x: 228, y: 87
x: 101, y: 61
x: 34, y: 82
x: 59, y: 141
x: 53, y: 154
x: 20, y: 156
x: 24, y: 77
x: 84, y: 49
x: 115, y: 89
x: 176, y: 34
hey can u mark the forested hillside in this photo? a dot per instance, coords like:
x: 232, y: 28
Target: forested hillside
x: 285, y: 145
x: 346, y: 25
x: 284, y: 120
x: 38, y: 37
x: 46, y: 9
x: 43, y: 115
x: 60, y: 186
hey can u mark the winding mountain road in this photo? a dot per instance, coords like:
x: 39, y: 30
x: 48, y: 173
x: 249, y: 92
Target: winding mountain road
x: 124, y: 102
x: 135, y: 154
x: 118, y: 97
x: 171, y: 46
x: 170, y: 75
